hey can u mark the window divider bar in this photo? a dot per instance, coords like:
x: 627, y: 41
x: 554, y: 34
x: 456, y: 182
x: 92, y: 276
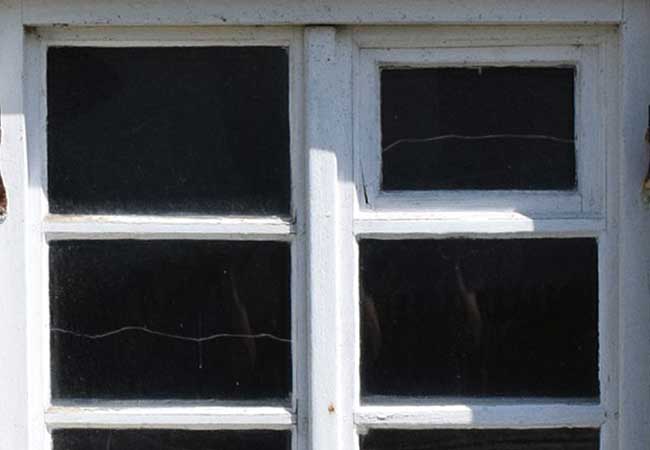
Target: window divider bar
x: 329, y: 237
x: 478, y: 224
x: 477, y: 415
x: 178, y: 417
x: 135, y: 227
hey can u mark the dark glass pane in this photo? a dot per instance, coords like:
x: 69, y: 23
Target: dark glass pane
x: 168, y: 130
x: 170, y: 319
x: 169, y: 440
x: 479, y: 317
x: 469, y: 128
x: 558, y: 439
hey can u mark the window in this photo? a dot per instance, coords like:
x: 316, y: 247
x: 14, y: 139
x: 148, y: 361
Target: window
x: 172, y: 285
x: 479, y: 160
x: 516, y: 122
x: 286, y: 237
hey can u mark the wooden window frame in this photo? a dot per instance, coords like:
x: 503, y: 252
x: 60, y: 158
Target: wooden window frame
x: 154, y: 414
x: 323, y: 192
x: 586, y: 51
x: 328, y: 414
x: 494, y: 214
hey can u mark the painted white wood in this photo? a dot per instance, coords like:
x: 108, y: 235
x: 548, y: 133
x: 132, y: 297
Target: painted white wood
x: 327, y: 114
x: 346, y: 258
x: 134, y: 36
x: 634, y: 225
x: 248, y: 12
x: 14, y: 384
x: 151, y: 227
x: 482, y: 415
x: 445, y: 51
x: 544, y: 34
x: 299, y: 307
x: 38, y: 354
x: 177, y: 417
x: 495, y: 225
x: 608, y: 250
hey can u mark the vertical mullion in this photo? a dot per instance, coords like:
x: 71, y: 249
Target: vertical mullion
x: 329, y: 235
x: 609, y: 247
x: 299, y: 317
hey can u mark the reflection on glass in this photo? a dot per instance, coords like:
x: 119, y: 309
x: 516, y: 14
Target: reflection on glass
x: 479, y: 317
x: 564, y: 439
x: 170, y: 319
x: 478, y: 128
x: 164, y: 130
x: 94, y: 439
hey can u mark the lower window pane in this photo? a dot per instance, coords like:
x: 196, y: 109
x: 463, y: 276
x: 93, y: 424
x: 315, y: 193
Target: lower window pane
x: 170, y: 319
x: 560, y: 439
x: 169, y: 440
x: 479, y: 317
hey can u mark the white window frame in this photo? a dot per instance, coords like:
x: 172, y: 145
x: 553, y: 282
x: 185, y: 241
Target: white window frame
x: 335, y: 218
x: 495, y: 214
x: 445, y: 48
x: 323, y: 190
x: 52, y: 227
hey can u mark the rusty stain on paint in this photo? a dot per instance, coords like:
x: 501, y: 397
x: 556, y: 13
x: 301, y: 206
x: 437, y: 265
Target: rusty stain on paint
x: 3, y: 192
x: 646, y: 181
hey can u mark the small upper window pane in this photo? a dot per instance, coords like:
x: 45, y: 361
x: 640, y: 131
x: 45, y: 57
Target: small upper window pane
x: 198, y: 130
x: 485, y: 128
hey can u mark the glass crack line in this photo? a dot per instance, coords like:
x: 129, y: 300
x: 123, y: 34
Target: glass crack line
x: 171, y: 336
x: 477, y: 138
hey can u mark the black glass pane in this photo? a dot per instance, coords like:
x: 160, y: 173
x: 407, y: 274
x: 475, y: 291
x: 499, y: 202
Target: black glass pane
x: 168, y: 130
x: 479, y: 317
x: 469, y: 128
x: 170, y: 319
x: 94, y: 439
x: 554, y: 439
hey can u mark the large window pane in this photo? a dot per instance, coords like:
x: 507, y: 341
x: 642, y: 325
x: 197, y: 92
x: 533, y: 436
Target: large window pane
x: 94, y: 439
x: 201, y: 130
x: 554, y: 439
x: 170, y: 319
x: 479, y: 317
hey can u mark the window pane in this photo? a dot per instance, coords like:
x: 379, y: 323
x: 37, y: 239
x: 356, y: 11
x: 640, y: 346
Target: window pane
x: 201, y: 130
x: 169, y: 440
x: 564, y: 439
x: 471, y: 128
x: 479, y: 317
x: 170, y: 319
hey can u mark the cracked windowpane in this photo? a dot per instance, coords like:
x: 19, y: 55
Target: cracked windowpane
x: 170, y: 319
x: 194, y: 130
x: 96, y: 439
x: 478, y: 128
x: 561, y: 438
x: 464, y: 317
